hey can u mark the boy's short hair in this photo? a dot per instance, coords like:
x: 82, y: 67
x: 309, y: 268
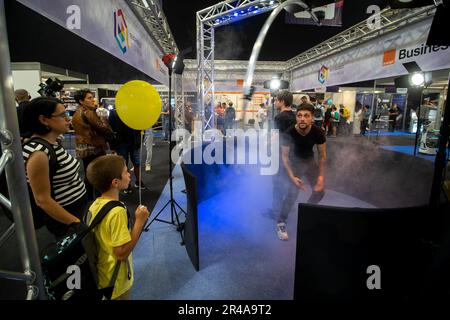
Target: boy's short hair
x: 103, y: 170
x: 306, y: 107
x: 286, y: 97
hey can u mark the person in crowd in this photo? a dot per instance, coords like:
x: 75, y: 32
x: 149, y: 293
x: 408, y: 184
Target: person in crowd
x: 62, y: 196
x: 165, y: 117
x: 393, y: 114
x: 188, y: 117
x: 342, y: 126
x: 128, y: 146
x: 335, y: 117
x: 22, y: 98
x: 319, y: 112
x: 102, y: 112
x: 298, y: 161
x: 220, y: 109
x: 286, y: 116
x: 304, y: 100
x: 327, y: 121
x: 283, y: 122
x: 261, y: 115
x: 364, y: 118
x: 344, y: 120
x: 148, y: 142
x: 230, y: 116
x: 116, y: 237
x: 90, y: 133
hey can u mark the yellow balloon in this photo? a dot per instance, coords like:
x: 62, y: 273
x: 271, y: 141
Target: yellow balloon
x: 138, y: 104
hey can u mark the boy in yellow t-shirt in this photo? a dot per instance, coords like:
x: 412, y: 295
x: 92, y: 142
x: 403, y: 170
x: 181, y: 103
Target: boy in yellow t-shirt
x: 115, y: 241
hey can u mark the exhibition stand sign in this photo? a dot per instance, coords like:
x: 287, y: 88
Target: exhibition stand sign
x: 382, y: 57
x: 110, y: 25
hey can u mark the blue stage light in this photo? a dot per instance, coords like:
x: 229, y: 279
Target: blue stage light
x: 236, y: 14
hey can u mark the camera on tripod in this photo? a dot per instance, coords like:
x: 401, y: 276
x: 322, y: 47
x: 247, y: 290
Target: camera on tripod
x: 51, y: 87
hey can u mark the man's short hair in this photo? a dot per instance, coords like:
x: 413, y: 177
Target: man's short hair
x: 306, y: 107
x: 230, y: 104
x: 102, y: 171
x: 22, y: 95
x: 286, y: 97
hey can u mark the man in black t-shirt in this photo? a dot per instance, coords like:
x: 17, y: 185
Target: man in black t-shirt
x: 283, y: 121
x: 297, y: 153
x: 286, y: 118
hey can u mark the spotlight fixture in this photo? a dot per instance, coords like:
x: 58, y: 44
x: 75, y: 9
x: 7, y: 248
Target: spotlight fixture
x: 417, y: 79
x: 275, y: 84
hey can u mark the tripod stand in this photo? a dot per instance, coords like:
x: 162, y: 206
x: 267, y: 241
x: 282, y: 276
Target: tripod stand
x: 172, y: 203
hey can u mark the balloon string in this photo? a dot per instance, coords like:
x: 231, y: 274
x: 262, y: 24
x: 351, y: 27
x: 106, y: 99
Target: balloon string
x: 140, y: 168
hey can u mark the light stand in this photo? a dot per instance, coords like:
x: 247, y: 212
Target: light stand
x: 169, y: 60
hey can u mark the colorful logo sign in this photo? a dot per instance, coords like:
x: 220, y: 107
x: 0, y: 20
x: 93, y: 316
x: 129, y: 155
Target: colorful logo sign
x: 121, y: 31
x: 389, y: 57
x: 323, y: 74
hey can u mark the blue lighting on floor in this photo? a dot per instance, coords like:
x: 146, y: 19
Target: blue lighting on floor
x: 392, y: 134
x: 409, y: 150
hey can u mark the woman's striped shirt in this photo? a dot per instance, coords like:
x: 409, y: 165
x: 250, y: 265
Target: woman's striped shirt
x: 67, y: 185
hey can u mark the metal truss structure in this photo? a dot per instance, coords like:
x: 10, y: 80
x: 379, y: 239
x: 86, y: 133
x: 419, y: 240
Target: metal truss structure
x: 389, y: 20
x: 152, y: 17
x: 208, y: 19
x: 178, y: 90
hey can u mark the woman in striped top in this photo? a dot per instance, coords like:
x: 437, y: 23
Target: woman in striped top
x: 63, y: 197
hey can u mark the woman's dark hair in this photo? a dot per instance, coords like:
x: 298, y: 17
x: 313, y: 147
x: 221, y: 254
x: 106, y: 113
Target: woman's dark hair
x: 42, y: 106
x: 80, y: 95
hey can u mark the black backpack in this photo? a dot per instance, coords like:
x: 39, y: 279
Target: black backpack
x: 318, y: 112
x: 40, y: 217
x: 78, y: 248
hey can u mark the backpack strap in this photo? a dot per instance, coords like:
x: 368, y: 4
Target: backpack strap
x: 52, y: 162
x: 103, y: 212
x: 53, y: 159
x: 98, y: 218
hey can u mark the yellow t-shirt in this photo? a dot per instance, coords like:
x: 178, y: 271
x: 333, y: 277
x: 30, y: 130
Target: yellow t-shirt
x: 112, y: 232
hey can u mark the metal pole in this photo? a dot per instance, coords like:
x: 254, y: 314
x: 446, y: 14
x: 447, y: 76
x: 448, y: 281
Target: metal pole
x: 439, y: 164
x: 15, y: 169
x: 405, y: 112
x: 371, y: 108
x: 419, y: 122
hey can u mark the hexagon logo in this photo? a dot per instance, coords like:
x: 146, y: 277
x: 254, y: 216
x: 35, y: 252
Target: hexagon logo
x: 323, y: 74
x: 121, y: 31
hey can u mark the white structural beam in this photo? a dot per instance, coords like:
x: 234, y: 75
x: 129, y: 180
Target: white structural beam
x: 152, y: 17
x: 389, y: 20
